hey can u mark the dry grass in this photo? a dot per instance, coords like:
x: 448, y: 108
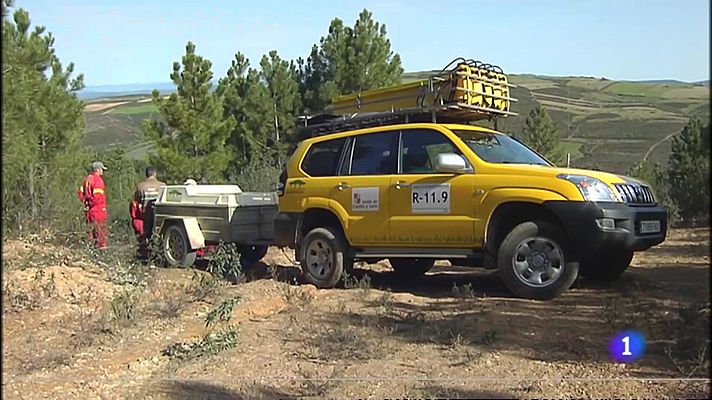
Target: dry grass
x: 177, y: 325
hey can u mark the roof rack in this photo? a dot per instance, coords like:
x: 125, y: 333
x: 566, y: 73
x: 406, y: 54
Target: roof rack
x: 470, y: 91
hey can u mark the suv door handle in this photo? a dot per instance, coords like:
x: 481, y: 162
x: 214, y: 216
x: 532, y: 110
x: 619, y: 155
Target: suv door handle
x: 400, y: 184
x: 343, y: 185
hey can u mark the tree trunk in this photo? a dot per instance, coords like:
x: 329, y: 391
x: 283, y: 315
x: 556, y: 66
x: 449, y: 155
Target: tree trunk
x: 276, y: 122
x: 31, y: 191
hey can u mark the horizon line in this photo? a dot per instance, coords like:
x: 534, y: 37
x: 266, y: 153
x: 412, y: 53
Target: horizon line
x: 215, y: 80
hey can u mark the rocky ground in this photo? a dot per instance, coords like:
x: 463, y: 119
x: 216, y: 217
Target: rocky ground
x: 80, y: 325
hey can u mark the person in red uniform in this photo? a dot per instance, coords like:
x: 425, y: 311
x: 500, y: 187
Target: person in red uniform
x: 93, y: 194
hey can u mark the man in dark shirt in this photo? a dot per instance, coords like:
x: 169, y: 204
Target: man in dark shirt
x: 141, y: 209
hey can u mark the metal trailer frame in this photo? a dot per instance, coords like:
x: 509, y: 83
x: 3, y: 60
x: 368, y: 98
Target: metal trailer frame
x: 192, y: 217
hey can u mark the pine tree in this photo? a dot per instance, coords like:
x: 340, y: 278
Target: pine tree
x: 348, y: 60
x: 313, y: 76
x: 42, y: 119
x: 371, y: 62
x: 688, y: 171
x: 192, y: 141
x: 265, y: 104
x: 247, y: 100
x: 540, y: 133
x: 280, y: 78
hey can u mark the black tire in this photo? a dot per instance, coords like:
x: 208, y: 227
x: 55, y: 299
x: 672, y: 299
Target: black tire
x: 251, y: 254
x: 411, y: 267
x: 605, y: 266
x: 176, y: 248
x: 548, y: 260
x: 324, y: 257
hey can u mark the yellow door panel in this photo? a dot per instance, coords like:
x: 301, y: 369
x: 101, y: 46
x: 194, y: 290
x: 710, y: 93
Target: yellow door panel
x: 362, y: 189
x: 428, y: 207
x: 365, y: 200
x: 432, y: 210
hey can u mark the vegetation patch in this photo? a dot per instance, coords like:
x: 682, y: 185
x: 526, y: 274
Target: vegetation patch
x: 210, y: 344
x: 149, y: 108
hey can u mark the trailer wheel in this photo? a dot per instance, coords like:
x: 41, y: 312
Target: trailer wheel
x: 176, y: 248
x: 251, y: 254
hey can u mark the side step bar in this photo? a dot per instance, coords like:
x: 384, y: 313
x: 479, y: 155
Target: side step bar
x: 437, y: 253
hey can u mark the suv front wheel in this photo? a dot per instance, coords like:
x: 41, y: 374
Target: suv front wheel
x: 324, y: 257
x: 532, y: 261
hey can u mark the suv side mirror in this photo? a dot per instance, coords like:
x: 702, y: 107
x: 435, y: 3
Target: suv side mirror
x: 451, y: 163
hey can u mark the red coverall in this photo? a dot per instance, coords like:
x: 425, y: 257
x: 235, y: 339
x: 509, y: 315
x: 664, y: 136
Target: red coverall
x: 136, y: 212
x: 94, y: 197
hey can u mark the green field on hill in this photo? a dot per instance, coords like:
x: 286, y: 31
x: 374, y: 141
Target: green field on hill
x: 605, y: 124
x: 148, y: 108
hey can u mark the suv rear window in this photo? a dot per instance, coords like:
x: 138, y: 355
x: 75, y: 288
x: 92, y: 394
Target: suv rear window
x: 323, y: 158
x: 375, y: 154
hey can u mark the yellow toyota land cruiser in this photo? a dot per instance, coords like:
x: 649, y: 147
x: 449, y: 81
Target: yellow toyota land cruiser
x: 418, y: 192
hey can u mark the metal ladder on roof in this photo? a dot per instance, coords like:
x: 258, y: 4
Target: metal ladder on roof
x: 468, y: 91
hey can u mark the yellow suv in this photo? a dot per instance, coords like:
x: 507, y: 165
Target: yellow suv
x: 418, y: 192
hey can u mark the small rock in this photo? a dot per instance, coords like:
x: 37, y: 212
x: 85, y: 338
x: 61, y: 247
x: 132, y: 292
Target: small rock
x: 309, y: 288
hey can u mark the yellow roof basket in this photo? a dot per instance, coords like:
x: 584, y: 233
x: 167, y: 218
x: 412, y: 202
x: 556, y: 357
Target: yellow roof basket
x: 469, y: 91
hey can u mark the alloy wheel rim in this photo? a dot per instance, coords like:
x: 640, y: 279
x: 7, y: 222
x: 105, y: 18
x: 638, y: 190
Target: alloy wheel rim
x: 538, y: 262
x: 320, y: 260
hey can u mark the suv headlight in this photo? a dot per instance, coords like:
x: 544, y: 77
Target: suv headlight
x: 592, y: 189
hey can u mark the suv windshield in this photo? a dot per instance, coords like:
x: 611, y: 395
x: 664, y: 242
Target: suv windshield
x: 499, y: 148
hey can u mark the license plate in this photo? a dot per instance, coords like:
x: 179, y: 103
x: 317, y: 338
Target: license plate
x: 649, y: 226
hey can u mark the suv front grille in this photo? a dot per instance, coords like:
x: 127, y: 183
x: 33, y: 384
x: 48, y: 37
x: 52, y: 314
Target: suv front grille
x: 635, y: 194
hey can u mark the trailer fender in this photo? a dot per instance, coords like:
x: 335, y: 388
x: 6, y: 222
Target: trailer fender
x: 192, y: 230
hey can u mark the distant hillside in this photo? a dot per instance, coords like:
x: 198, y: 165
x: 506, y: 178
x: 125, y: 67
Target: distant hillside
x: 666, y: 81
x: 107, y: 91
x: 607, y: 124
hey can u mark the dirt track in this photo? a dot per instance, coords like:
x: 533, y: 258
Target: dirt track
x: 454, y: 333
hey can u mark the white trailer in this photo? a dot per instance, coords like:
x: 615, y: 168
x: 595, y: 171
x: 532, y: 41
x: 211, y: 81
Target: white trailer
x: 189, y: 218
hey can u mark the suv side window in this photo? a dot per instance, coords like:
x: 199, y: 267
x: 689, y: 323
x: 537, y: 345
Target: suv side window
x: 375, y: 154
x: 420, y: 149
x: 323, y: 158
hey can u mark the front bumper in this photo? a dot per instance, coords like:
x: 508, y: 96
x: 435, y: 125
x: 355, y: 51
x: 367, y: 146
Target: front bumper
x: 579, y: 220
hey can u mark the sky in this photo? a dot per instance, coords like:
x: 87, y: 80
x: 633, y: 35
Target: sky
x: 137, y: 41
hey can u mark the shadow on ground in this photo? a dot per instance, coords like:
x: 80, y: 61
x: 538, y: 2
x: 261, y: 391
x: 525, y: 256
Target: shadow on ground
x: 435, y: 391
x: 180, y: 390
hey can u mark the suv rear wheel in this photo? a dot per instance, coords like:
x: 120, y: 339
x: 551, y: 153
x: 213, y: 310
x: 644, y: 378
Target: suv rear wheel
x: 606, y: 266
x: 411, y: 267
x: 532, y: 261
x: 324, y: 258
